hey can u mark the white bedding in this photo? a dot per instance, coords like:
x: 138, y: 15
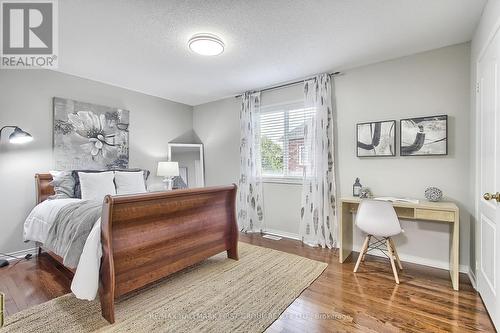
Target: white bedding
x: 36, y: 228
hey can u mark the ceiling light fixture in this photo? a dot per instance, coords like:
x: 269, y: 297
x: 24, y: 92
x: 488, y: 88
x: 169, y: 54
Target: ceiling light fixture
x: 206, y: 44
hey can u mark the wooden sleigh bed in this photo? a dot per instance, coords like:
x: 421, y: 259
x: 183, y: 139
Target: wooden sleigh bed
x: 146, y: 237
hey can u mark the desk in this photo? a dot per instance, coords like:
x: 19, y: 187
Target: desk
x: 444, y: 212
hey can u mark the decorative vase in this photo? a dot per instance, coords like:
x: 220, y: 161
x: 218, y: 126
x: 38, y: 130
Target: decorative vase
x: 356, y: 188
x: 433, y: 194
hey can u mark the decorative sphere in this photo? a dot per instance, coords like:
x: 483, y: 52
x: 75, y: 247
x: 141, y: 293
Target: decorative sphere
x: 433, y: 194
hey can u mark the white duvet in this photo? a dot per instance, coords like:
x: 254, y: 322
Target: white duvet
x: 36, y: 228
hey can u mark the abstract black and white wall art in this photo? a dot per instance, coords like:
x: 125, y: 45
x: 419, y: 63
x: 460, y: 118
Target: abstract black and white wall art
x: 89, y: 136
x: 376, y: 139
x: 424, y: 136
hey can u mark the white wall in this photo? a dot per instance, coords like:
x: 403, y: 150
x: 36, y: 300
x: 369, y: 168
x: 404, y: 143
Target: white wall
x: 217, y: 125
x: 26, y: 101
x: 434, y: 82
x: 489, y: 23
x: 430, y: 83
x: 282, y: 204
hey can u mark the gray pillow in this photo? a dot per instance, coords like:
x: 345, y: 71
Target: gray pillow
x: 78, y: 191
x: 64, y: 185
x: 179, y: 183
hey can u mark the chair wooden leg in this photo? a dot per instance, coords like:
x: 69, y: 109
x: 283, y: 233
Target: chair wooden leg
x: 361, y: 253
x: 391, y: 257
x: 367, y: 246
x: 396, y: 254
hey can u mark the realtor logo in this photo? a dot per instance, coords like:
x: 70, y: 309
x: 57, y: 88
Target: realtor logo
x: 29, y: 34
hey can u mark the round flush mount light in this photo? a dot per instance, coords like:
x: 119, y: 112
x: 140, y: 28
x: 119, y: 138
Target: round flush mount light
x: 206, y: 44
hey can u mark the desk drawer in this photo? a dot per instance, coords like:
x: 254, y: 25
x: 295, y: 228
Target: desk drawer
x: 434, y: 215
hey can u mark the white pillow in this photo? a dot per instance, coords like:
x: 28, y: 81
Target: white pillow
x: 95, y: 186
x: 129, y: 182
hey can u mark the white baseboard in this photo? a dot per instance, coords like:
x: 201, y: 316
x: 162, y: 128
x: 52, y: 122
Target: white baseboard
x: 472, y: 278
x: 281, y: 234
x: 424, y: 261
x: 404, y: 257
x: 20, y: 254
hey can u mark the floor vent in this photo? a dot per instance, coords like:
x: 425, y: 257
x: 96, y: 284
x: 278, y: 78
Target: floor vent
x: 272, y: 237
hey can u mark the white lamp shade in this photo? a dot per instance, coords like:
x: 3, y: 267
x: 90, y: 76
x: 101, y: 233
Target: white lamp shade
x: 168, y: 169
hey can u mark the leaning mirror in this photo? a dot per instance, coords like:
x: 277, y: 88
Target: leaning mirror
x: 191, y: 166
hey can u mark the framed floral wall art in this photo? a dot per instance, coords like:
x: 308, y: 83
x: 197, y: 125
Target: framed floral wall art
x: 89, y: 136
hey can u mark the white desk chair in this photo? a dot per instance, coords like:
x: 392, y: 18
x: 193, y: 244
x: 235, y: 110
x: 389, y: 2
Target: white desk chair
x: 379, y: 219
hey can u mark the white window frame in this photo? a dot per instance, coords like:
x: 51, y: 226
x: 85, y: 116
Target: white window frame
x: 285, y: 106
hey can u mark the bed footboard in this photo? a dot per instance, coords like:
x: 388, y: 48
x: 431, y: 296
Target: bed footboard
x: 147, y: 237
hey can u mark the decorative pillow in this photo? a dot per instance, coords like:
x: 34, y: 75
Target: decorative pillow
x: 96, y: 185
x: 179, y: 183
x: 130, y: 182
x: 78, y: 193
x: 63, y: 183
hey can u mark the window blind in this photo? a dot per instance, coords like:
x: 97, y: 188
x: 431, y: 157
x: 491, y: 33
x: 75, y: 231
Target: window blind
x: 282, y: 140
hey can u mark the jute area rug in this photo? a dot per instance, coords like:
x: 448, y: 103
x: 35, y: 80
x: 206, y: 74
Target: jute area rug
x: 217, y: 295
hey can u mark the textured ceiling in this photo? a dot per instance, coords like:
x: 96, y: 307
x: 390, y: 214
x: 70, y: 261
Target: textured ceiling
x: 142, y: 45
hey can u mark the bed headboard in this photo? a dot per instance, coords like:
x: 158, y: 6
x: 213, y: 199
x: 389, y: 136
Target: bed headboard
x: 43, y: 187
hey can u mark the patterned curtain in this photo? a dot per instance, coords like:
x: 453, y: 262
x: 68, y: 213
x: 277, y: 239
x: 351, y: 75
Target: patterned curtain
x: 250, y: 200
x: 318, y: 224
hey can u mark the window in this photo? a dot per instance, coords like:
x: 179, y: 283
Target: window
x: 282, y: 141
x: 302, y: 155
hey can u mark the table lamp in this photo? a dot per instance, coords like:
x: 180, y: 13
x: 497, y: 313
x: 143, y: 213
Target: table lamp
x: 168, y: 170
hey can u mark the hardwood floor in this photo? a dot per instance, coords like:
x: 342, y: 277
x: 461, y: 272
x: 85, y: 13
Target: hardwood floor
x: 338, y: 301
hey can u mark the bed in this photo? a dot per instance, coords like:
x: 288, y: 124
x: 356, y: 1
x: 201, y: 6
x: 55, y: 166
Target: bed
x: 146, y: 237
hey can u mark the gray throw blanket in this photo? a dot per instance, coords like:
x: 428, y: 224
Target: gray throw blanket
x: 70, y: 230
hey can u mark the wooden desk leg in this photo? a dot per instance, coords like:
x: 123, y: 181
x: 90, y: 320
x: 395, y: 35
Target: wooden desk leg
x: 455, y: 252
x: 345, y: 232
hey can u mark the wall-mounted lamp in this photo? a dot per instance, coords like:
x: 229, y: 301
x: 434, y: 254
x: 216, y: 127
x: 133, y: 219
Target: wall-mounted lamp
x: 17, y: 136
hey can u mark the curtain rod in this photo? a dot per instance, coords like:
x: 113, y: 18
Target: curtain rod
x: 290, y: 83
